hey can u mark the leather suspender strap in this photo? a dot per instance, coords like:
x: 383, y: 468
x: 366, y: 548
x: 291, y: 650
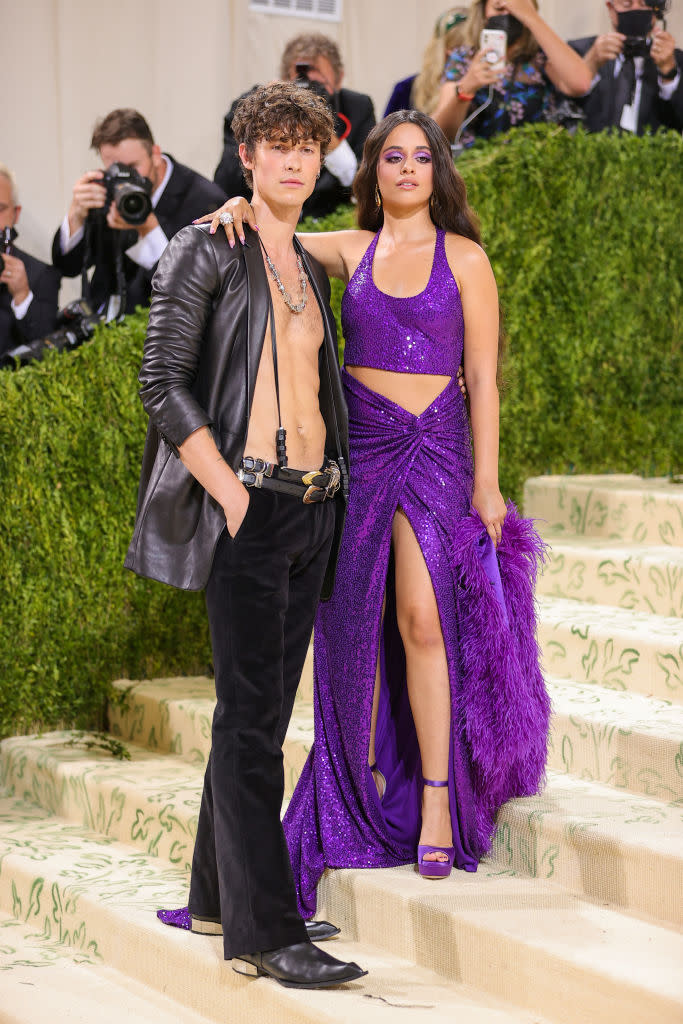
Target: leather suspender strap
x: 281, y: 433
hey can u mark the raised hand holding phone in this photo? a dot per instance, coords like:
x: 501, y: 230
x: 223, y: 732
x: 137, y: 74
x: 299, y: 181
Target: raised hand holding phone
x: 493, y: 44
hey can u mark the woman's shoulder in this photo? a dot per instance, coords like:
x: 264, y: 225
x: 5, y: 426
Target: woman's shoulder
x: 461, y: 249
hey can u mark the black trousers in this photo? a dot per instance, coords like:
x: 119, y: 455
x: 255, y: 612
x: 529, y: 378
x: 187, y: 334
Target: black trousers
x: 261, y: 599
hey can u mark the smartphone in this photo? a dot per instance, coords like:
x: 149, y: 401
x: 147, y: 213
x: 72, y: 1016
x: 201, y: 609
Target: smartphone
x: 494, y: 43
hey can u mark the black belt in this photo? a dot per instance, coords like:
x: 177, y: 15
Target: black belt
x: 311, y: 488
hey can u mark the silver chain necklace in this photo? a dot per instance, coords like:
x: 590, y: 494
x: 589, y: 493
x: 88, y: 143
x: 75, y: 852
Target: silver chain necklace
x: 296, y: 307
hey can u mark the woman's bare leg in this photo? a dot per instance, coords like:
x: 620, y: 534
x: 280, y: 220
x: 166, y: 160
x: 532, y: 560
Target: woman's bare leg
x: 427, y: 678
x: 372, y: 756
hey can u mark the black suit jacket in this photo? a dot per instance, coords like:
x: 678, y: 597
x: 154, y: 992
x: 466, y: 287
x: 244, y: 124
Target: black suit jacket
x: 600, y: 107
x: 329, y: 193
x: 187, y: 195
x: 41, y: 315
x: 207, y: 324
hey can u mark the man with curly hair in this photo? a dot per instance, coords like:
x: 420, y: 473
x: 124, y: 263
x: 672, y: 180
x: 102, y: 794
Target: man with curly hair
x: 243, y: 492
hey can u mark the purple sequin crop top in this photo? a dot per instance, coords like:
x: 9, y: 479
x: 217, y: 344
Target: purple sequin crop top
x: 420, y: 334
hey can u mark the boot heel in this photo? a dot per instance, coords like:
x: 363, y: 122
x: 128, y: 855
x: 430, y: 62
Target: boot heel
x: 244, y: 967
x: 205, y: 926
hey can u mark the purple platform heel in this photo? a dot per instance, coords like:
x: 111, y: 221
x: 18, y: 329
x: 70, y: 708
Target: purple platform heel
x: 435, y: 868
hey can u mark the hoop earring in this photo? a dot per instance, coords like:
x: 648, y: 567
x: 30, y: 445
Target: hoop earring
x: 378, y: 198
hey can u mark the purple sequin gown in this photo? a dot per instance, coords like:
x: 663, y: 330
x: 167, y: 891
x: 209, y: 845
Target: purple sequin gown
x: 500, y: 709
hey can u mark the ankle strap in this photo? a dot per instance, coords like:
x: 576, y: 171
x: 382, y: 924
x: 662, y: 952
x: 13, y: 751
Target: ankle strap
x: 432, y: 782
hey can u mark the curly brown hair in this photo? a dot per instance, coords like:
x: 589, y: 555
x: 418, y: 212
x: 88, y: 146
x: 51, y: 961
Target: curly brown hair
x: 285, y: 111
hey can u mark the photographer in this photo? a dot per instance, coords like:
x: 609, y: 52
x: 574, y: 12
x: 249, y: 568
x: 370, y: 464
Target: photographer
x: 636, y: 71
x: 315, y: 62
x: 103, y: 227
x: 28, y: 287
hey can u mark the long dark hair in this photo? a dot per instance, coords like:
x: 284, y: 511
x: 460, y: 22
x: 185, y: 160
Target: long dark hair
x: 448, y: 206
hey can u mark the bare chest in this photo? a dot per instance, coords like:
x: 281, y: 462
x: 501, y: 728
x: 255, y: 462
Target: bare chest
x: 298, y: 335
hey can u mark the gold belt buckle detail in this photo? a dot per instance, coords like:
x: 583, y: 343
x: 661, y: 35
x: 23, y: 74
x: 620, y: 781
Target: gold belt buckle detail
x: 307, y: 499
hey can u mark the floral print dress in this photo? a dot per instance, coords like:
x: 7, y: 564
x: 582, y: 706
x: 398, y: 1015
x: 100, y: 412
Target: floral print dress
x: 523, y: 94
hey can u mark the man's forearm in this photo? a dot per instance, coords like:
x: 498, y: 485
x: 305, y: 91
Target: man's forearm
x: 201, y: 457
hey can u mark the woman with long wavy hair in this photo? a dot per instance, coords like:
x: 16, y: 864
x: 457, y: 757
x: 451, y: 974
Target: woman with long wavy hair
x: 422, y: 91
x: 430, y: 709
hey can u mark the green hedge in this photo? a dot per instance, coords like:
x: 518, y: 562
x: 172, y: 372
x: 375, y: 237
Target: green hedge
x: 583, y: 234
x: 71, y: 435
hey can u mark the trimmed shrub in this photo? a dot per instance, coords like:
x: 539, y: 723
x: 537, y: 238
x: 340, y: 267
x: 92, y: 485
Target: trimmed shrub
x: 71, y: 436
x: 583, y: 237
x: 583, y: 234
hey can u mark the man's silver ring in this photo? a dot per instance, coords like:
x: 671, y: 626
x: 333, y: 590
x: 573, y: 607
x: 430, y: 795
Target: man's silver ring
x: 226, y: 218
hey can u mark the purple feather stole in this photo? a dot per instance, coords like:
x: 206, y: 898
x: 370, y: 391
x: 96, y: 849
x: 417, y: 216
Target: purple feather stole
x: 503, y: 705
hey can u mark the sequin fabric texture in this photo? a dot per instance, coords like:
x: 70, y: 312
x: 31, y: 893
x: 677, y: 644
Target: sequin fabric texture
x: 422, y: 464
x: 426, y: 330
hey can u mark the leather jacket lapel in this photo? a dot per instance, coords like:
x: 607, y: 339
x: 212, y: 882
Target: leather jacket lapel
x: 257, y: 316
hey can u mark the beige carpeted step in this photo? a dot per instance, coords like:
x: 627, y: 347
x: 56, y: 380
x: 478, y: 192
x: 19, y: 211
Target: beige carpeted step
x: 598, y: 734
x: 591, y: 838
x: 623, y: 740
x: 100, y: 896
x: 44, y: 982
x: 621, y: 507
x: 611, y: 846
x: 166, y: 715
x: 527, y: 940
x: 645, y: 579
x: 612, y: 647
x: 174, y: 716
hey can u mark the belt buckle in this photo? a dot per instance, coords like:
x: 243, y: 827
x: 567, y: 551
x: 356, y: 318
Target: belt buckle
x: 252, y: 471
x: 308, y: 498
x: 335, y: 478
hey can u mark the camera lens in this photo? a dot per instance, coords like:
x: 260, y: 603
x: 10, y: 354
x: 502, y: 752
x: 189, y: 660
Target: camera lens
x: 132, y: 202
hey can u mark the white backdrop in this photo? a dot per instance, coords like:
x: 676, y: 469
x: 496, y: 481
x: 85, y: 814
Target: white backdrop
x: 68, y: 62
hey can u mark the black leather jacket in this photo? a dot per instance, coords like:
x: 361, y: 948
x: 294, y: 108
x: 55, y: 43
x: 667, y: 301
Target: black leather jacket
x: 207, y: 325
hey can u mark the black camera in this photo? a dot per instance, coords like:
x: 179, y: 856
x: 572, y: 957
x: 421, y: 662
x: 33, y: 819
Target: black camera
x: 130, y: 193
x: 76, y: 323
x: 305, y: 82
x: 341, y: 126
x: 5, y: 245
x: 636, y: 26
